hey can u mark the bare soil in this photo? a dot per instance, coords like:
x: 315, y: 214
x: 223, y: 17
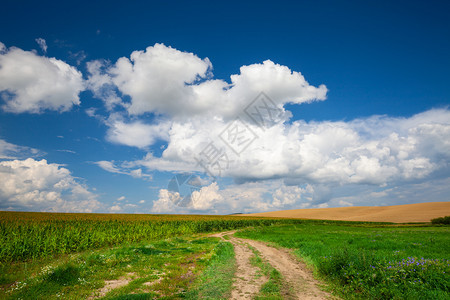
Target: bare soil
x: 420, y: 212
x: 111, y: 285
x: 248, y: 278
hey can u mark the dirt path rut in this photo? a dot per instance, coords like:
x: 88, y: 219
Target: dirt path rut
x: 296, y: 274
x: 248, y: 278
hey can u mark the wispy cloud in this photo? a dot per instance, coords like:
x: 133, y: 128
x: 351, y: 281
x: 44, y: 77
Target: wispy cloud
x: 112, y: 168
x: 67, y: 151
x: 12, y: 151
x: 43, y: 44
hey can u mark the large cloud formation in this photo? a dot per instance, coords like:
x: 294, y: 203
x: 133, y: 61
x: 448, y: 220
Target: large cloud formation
x: 32, y: 83
x: 197, y: 111
x: 167, y: 81
x: 166, y: 96
x: 179, y: 86
x: 375, y: 150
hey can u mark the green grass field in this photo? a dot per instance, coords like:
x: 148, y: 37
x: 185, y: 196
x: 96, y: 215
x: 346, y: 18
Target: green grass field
x: 367, y: 261
x: 73, y: 256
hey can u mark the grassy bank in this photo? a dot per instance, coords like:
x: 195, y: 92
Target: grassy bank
x: 363, y: 262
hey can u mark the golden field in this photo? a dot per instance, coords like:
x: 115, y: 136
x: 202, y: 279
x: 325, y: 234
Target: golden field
x: 420, y: 212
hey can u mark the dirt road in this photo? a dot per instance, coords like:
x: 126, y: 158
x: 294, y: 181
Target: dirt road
x: 247, y: 283
x: 248, y: 280
x: 296, y: 274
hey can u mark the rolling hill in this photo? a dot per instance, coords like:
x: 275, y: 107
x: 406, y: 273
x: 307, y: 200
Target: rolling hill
x: 420, y: 212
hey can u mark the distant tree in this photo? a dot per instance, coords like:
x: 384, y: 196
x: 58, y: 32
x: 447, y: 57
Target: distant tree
x: 442, y: 220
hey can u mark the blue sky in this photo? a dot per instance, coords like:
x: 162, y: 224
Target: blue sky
x: 103, y: 104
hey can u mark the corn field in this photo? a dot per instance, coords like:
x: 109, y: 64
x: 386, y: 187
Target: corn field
x: 29, y: 235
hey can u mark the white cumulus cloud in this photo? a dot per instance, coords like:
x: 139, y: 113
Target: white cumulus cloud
x: 39, y: 186
x: 290, y: 195
x: 32, y: 83
x: 375, y: 150
x: 156, y: 79
x: 162, y: 93
x: 101, y: 84
x: 206, y: 197
x: 115, y: 209
x: 166, y: 202
x: 136, y: 133
x: 164, y: 80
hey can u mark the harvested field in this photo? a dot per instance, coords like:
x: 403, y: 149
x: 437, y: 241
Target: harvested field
x: 421, y: 212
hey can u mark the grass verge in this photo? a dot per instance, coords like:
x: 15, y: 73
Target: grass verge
x: 217, y: 279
